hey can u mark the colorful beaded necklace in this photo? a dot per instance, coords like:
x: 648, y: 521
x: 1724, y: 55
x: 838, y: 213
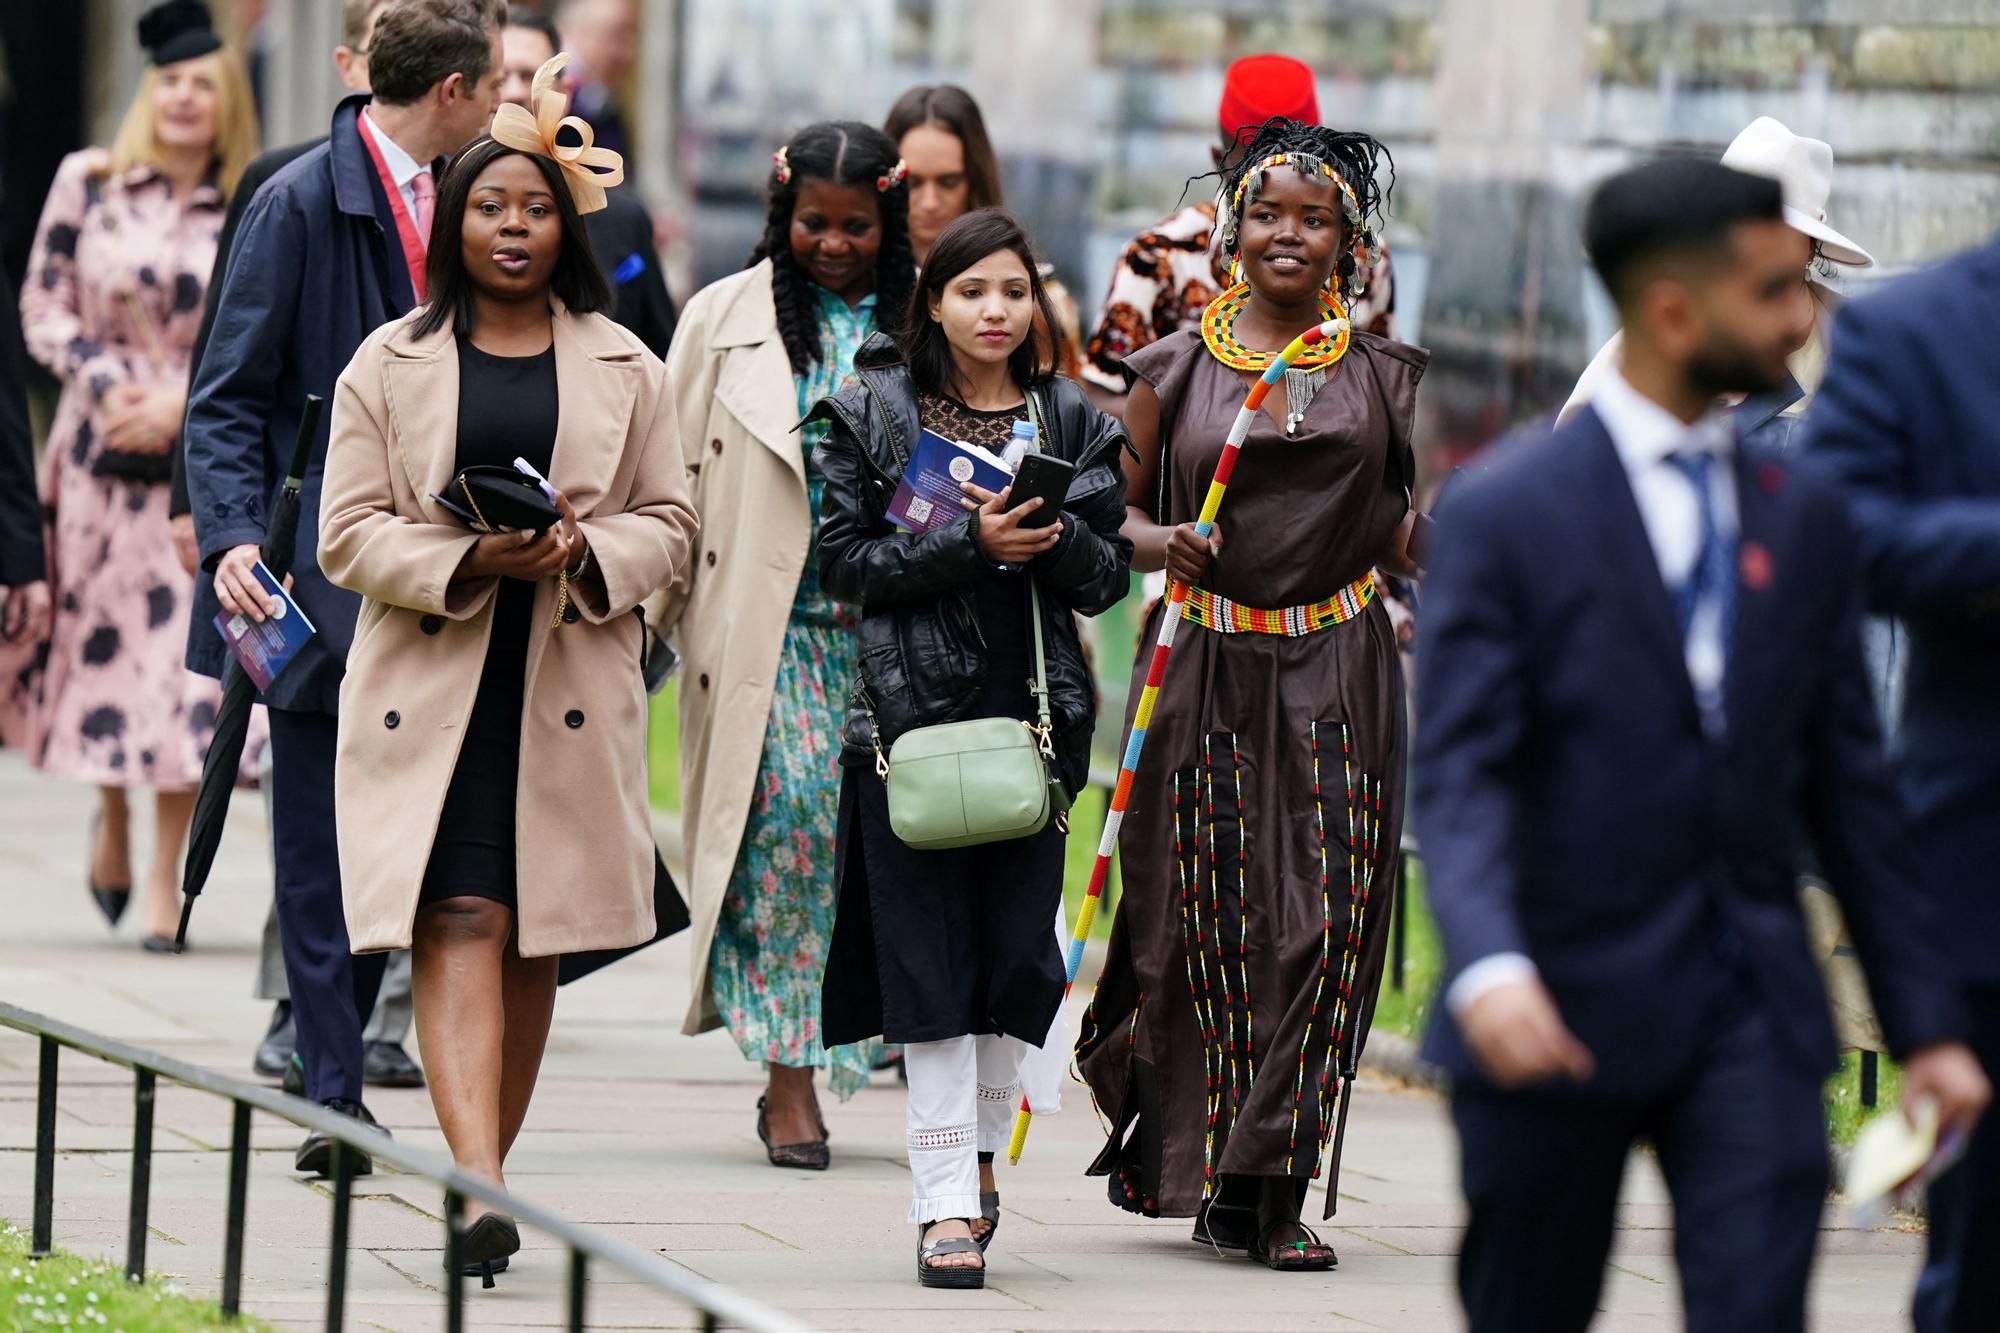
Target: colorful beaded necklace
x: 1218, y: 333
x: 1304, y: 378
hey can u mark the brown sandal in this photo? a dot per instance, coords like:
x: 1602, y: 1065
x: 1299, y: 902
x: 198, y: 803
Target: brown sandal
x: 1311, y: 1255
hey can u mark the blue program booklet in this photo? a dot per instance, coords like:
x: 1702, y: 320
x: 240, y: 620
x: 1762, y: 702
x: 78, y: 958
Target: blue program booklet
x: 929, y: 493
x: 265, y: 648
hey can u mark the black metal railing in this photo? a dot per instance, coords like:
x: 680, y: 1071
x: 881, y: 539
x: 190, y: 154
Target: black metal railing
x: 717, y: 1305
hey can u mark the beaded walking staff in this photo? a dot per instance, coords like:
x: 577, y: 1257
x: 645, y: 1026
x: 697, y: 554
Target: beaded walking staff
x: 1177, y: 594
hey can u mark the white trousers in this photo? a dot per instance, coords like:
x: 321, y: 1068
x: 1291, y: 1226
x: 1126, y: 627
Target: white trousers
x: 963, y: 1092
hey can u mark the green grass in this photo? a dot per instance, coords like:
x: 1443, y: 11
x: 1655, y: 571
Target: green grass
x: 663, y: 748
x: 65, y: 1291
x: 1086, y: 827
x: 1404, y: 1010
x: 1845, y: 1115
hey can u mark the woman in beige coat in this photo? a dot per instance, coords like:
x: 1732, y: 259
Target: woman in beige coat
x: 491, y: 779
x: 769, y: 657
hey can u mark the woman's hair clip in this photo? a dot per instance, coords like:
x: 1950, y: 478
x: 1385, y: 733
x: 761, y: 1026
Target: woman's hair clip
x: 781, y: 164
x: 890, y: 179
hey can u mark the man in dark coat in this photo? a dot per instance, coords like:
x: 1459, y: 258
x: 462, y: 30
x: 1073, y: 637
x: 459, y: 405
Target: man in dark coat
x: 24, y: 590
x: 331, y: 248
x: 1637, y: 679
x: 621, y: 233
x: 1908, y: 422
x: 384, y: 1061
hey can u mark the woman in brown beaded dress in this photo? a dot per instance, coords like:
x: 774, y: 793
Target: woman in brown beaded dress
x: 1259, y: 851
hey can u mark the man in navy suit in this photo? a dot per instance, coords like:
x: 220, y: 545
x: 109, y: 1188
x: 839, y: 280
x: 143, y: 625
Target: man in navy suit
x: 1642, y: 675
x: 1908, y: 421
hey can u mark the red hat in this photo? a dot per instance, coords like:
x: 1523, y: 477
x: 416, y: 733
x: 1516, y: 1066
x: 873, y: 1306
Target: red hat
x: 1257, y: 88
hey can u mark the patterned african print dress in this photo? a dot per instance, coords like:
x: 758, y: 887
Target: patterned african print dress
x: 113, y: 298
x: 1259, y: 850
x: 777, y: 914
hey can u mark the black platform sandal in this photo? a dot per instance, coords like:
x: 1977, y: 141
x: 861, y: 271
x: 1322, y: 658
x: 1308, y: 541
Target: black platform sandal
x: 813, y: 1156
x: 956, y: 1277
x: 989, y: 1213
x: 1311, y: 1255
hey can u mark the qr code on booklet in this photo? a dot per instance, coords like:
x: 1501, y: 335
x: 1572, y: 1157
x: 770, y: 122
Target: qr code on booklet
x: 919, y: 512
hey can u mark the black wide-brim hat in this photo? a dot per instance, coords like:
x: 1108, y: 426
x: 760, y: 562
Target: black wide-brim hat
x: 176, y: 30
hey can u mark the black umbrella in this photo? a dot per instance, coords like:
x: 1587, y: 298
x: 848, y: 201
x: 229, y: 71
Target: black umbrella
x: 232, y: 720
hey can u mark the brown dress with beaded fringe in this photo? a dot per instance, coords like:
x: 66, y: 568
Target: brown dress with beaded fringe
x: 1259, y: 851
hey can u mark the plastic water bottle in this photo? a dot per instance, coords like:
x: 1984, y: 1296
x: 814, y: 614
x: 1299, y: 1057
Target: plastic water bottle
x: 1020, y: 444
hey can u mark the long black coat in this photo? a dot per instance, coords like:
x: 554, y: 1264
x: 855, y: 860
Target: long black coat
x: 314, y: 271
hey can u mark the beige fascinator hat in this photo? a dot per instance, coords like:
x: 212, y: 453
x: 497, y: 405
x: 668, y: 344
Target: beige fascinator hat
x: 535, y: 132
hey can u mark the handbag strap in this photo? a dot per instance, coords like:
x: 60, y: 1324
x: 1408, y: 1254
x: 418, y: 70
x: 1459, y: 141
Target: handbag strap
x: 1040, y: 684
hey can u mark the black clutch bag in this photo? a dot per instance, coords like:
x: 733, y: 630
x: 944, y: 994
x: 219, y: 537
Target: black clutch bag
x: 492, y: 498
x: 124, y: 465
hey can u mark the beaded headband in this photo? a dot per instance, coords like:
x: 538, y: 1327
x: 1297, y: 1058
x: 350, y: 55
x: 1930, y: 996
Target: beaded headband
x: 535, y: 132
x: 1350, y: 205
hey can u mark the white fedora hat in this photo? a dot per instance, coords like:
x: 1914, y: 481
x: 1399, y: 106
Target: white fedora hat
x: 1804, y: 168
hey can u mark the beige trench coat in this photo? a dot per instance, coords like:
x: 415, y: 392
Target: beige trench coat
x: 585, y: 836
x: 734, y: 391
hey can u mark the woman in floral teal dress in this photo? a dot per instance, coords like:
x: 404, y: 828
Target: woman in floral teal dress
x: 769, y: 657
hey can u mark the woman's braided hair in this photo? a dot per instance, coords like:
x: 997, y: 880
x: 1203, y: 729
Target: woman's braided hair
x: 1353, y: 157
x: 842, y: 152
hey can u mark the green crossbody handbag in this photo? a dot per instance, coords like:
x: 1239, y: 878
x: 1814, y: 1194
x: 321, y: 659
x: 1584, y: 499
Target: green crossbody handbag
x: 989, y: 779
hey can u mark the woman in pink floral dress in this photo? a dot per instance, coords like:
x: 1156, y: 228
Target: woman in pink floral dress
x: 110, y: 305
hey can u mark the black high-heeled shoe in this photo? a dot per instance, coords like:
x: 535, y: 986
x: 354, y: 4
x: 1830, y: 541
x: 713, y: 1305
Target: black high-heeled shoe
x: 484, y: 1246
x: 111, y: 899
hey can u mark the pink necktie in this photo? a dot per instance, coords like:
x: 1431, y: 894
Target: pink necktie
x: 423, y: 190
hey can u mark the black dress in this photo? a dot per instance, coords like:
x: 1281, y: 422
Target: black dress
x: 952, y: 943
x: 506, y: 410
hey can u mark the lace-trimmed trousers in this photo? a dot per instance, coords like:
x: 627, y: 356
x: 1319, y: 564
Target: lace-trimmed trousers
x: 963, y: 1091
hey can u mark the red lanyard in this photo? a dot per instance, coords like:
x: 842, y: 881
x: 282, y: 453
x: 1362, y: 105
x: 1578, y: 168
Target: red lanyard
x: 406, y: 227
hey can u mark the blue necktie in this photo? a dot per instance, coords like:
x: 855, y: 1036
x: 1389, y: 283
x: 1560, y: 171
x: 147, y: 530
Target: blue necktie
x: 1712, y: 581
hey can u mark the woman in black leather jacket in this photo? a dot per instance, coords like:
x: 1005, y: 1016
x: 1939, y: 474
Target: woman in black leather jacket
x: 950, y: 953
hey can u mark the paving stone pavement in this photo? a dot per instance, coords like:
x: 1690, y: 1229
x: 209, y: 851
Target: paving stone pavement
x: 649, y: 1136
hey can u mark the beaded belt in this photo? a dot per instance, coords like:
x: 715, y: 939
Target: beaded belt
x: 1223, y: 616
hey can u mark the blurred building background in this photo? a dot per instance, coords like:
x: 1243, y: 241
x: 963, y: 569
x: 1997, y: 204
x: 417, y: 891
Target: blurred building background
x: 1500, y: 113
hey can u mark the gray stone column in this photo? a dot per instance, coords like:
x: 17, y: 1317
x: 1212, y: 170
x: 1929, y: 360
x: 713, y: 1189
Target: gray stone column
x: 300, y: 85
x: 655, y: 167
x: 114, y: 66
x: 1031, y: 62
x: 1503, y: 314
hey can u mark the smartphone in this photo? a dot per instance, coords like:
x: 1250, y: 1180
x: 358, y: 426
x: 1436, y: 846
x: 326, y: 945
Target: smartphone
x: 1045, y: 476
